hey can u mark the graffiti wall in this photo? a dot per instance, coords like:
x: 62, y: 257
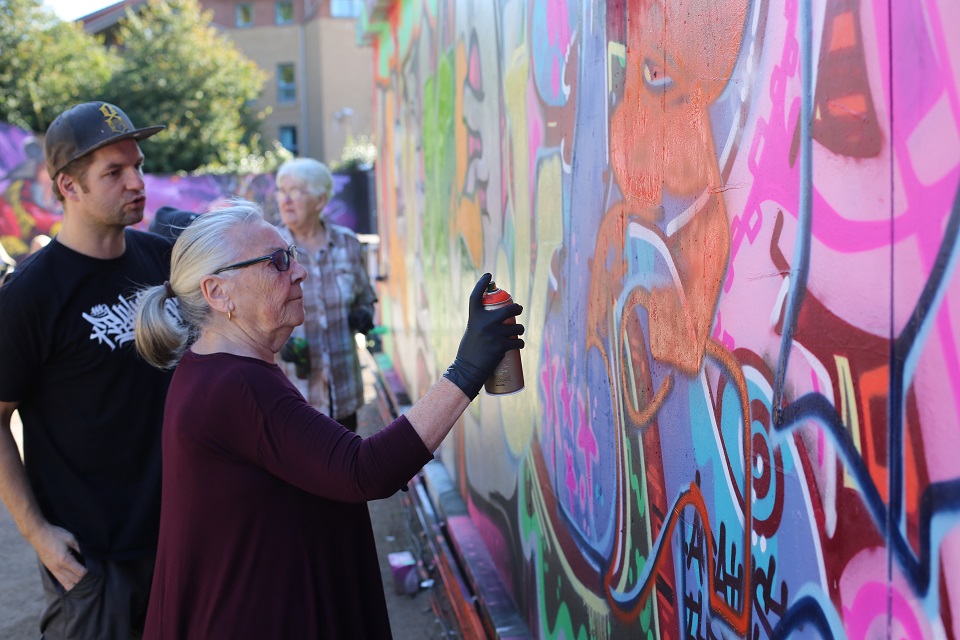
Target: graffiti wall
x: 734, y: 230
x: 28, y: 208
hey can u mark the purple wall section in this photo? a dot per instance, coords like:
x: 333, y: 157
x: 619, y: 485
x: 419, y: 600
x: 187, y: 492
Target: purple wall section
x: 734, y: 229
x: 28, y: 208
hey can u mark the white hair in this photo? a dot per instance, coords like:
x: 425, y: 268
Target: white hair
x: 203, y: 247
x: 313, y: 173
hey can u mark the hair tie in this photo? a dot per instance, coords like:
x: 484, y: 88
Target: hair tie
x: 168, y: 289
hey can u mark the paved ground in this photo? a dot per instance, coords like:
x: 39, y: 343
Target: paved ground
x: 21, y: 598
x: 427, y: 614
x: 423, y: 616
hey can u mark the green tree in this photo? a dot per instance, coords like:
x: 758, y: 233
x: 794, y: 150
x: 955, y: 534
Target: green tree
x: 46, y: 64
x: 176, y: 69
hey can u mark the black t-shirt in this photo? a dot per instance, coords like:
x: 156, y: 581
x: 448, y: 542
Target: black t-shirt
x: 91, y: 407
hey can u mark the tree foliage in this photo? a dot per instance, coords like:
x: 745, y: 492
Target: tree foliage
x: 177, y: 70
x: 168, y: 66
x: 358, y: 153
x: 46, y: 64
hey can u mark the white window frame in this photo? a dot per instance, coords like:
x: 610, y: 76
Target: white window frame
x: 345, y: 8
x: 286, y: 91
x: 291, y: 130
x: 238, y: 9
x: 276, y: 12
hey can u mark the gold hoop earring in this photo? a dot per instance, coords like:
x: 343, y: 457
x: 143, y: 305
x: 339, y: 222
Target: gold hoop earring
x: 229, y: 316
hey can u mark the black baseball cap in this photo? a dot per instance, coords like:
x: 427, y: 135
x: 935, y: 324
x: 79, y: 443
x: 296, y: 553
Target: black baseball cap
x: 170, y: 222
x: 86, y: 127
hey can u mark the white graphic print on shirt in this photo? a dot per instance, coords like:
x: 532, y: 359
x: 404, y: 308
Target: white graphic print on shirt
x: 114, y: 325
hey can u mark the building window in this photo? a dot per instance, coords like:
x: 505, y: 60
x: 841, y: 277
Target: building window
x: 284, y: 11
x: 244, y: 15
x: 286, y: 83
x: 288, y: 138
x: 345, y: 8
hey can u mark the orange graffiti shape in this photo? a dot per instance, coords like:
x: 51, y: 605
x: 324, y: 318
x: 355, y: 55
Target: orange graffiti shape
x: 680, y: 56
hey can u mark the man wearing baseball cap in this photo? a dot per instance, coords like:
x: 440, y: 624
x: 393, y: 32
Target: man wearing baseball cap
x: 87, y: 493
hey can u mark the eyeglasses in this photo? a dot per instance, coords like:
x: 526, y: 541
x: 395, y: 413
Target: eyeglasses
x: 293, y: 194
x: 281, y: 259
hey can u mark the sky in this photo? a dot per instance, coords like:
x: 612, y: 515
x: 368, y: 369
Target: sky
x: 73, y: 9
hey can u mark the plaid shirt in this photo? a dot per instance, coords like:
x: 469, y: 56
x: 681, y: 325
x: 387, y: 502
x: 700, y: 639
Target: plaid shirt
x: 336, y: 283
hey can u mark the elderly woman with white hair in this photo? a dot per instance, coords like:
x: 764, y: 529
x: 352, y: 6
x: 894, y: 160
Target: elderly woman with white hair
x: 337, y: 297
x: 264, y: 528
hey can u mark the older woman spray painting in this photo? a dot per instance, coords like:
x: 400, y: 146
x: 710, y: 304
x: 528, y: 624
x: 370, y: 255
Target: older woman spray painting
x: 264, y: 529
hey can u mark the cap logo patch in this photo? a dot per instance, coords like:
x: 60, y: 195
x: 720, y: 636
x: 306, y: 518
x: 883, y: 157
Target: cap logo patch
x: 113, y: 119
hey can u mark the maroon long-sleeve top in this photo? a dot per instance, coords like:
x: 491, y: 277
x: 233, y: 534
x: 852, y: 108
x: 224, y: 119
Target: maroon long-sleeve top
x: 264, y: 528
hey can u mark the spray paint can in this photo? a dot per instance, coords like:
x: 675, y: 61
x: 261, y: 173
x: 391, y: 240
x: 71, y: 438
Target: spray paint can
x: 507, y: 378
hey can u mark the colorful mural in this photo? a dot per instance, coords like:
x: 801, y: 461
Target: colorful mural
x: 734, y: 229
x: 28, y: 208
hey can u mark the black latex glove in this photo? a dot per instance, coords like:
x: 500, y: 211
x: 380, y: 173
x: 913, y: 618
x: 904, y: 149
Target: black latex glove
x: 484, y: 342
x: 360, y: 320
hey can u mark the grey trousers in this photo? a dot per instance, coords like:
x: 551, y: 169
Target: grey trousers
x: 109, y: 602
